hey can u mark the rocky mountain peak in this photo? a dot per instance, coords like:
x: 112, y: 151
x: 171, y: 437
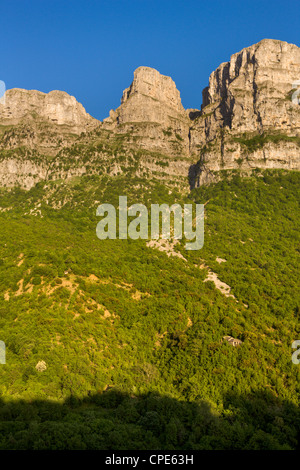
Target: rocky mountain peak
x: 151, y: 110
x: 250, y: 118
x: 250, y: 115
x: 56, y: 107
x: 148, y: 82
x: 252, y: 92
x: 151, y: 97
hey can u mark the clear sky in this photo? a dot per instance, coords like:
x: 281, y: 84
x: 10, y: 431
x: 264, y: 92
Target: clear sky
x: 91, y: 48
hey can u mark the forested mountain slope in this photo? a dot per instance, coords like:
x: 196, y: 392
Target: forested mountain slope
x: 114, y: 344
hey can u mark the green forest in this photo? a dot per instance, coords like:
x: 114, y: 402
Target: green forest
x: 112, y: 344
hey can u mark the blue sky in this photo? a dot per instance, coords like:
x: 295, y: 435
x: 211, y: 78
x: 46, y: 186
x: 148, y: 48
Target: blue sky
x: 90, y: 49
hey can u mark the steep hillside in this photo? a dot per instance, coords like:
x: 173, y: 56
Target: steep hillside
x: 120, y: 344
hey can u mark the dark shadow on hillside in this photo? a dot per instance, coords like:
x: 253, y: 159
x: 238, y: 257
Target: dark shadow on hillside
x: 117, y: 421
x: 194, y: 176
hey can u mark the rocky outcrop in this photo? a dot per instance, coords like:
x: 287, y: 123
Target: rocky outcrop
x: 151, y: 111
x: 250, y: 118
x: 35, y: 126
x: 42, y: 122
x: 22, y: 172
x: 56, y: 107
x: 252, y: 92
x: 250, y: 115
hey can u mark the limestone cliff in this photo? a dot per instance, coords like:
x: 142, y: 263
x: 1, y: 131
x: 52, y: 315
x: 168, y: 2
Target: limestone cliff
x: 250, y: 118
x: 34, y: 127
x: 56, y: 107
x: 152, y: 112
x: 41, y: 121
x: 252, y: 92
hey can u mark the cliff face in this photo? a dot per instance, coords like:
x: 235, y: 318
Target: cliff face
x: 40, y: 121
x: 250, y: 114
x: 250, y: 118
x: 252, y: 92
x: 34, y: 128
x: 152, y: 112
x: 56, y: 107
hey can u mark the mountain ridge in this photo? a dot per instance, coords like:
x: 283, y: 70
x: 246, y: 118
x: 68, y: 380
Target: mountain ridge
x: 247, y: 120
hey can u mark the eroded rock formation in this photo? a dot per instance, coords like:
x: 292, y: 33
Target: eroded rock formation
x: 151, y: 110
x: 55, y: 107
x: 250, y: 118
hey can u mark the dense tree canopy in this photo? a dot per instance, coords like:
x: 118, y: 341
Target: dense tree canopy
x: 132, y: 338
